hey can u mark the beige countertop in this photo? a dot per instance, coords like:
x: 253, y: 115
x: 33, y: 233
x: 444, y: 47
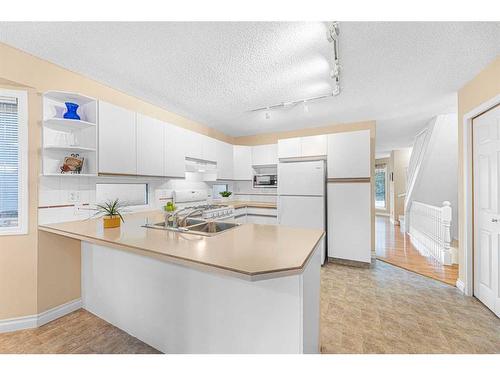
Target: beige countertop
x: 249, y: 251
x: 240, y: 204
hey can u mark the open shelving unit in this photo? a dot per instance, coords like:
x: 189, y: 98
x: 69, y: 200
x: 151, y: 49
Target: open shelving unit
x: 63, y: 137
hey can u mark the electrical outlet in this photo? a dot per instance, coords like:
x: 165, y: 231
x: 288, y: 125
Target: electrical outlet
x: 74, y: 196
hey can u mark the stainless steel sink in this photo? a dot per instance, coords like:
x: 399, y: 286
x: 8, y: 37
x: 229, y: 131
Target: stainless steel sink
x: 196, y: 226
x: 212, y: 227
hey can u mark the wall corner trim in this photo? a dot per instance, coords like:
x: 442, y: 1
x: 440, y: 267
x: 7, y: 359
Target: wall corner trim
x: 37, y: 320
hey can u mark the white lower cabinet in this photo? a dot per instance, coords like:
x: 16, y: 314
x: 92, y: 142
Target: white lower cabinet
x: 349, y: 221
x: 256, y: 215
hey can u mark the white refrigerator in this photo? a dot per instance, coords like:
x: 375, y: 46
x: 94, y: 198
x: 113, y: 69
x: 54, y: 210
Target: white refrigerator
x: 302, y: 195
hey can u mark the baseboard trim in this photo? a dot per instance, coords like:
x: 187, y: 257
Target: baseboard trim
x: 460, y: 285
x: 16, y: 324
x: 348, y: 262
x: 37, y: 320
x: 59, y: 311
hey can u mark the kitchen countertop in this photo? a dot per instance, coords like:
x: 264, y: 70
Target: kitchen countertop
x: 249, y: 251
x: 241, y: 204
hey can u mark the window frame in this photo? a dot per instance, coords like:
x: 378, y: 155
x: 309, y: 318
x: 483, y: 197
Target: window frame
x: 386, y: 186
x: 22, y: 197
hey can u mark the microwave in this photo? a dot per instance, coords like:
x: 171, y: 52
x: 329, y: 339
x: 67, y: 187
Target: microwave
x: 265, y: 180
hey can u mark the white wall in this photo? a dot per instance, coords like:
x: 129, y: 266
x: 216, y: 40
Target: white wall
x: 438, y: 177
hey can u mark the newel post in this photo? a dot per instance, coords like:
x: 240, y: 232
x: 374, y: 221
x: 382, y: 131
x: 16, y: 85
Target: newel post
x: 446, y: 220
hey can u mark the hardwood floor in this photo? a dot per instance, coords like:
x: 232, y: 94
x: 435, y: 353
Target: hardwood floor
x: 395, y: 248
x: 77, y: 333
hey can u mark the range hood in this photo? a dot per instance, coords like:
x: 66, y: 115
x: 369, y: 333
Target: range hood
x: 200, y: 170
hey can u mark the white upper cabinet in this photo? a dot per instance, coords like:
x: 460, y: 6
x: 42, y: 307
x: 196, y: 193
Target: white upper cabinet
x: 117, y: 140
x: 242, y: 162
x: 224, y: 160
x: 175, y: 150
x: 289, y: 148
x: 265, y: 154
x: 194, y: 144
x: 349, y: 154
x: 150, y: 146
x: 209, y: 148
x: 315, y: 145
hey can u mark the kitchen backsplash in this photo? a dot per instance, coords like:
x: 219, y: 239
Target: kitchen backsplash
x: 68, y: 198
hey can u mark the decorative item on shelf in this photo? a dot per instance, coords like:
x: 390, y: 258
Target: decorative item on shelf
x: 72, y: 164
x: 111, y: 212
x: 71, y: 111
x: 225, y: 194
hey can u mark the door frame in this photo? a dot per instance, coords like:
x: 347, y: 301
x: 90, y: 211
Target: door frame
x: 467, y: 285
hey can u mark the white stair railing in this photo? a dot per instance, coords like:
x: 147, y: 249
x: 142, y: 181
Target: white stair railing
x: 416, y: 160
x: 430, y: 230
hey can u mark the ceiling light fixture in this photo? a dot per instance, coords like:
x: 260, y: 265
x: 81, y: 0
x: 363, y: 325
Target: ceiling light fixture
x: 332, y: 36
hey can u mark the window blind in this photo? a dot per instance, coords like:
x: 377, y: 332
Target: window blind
x: 9, y: 162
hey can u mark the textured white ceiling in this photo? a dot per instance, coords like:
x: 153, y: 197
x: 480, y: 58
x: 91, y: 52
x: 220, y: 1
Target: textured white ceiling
x: 400, y: 74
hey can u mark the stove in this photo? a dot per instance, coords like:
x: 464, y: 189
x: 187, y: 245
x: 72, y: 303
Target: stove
x: 198, y: 199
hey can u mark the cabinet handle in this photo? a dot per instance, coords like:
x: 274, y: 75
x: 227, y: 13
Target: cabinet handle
x: 494, y: 220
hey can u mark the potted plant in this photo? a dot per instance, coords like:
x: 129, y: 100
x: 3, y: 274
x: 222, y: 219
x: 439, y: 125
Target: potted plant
x: 169, y: 209
x: 111, y: 212
x: 225, y: 194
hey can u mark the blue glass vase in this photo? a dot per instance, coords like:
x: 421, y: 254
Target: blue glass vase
x: 71, y: 111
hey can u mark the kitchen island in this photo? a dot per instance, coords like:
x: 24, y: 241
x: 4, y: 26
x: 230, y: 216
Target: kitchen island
x: 250, y: 289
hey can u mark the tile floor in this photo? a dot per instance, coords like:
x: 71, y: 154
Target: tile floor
x: 386, y: 309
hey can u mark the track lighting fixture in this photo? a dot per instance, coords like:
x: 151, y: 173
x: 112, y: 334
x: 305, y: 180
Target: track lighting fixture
x: 332, y: 35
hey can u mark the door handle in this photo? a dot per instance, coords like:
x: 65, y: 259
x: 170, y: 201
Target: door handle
x: 494, y: 220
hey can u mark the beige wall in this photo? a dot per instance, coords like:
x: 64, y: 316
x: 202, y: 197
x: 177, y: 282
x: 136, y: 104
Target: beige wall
x: 399, y: 165
x: 268, y: 138
x: 480, y: 89
x: 18, y: 254
x: 59, y: 270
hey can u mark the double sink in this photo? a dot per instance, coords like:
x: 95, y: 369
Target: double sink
x: 196, y: 226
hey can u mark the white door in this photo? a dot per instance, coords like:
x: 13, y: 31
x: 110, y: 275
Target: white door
x: 301, y: 178
x: 150, y: 146
x: 486, y: 135
x: 117, y: 140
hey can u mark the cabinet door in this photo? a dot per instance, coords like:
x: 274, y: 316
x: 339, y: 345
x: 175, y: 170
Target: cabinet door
x: 150, y: 146
x: 264, y: 154
x: 193, y: 144
x: 349, y: 154
x: 242, y: 162
x: 117, y: 140
x: 349, y: 221
x: 224, y: 160
x: 289, y: 148
x: 175, y: 150
x: 209, y: 146
x: 315, y: 145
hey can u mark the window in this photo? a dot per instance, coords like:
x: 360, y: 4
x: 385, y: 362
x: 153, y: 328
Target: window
x: 380, y: 186
x: 13, y: 162
x: 217, y: 189
x: 133, y: 194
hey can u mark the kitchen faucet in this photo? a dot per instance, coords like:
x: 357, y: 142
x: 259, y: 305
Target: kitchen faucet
x: 175, y: 216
